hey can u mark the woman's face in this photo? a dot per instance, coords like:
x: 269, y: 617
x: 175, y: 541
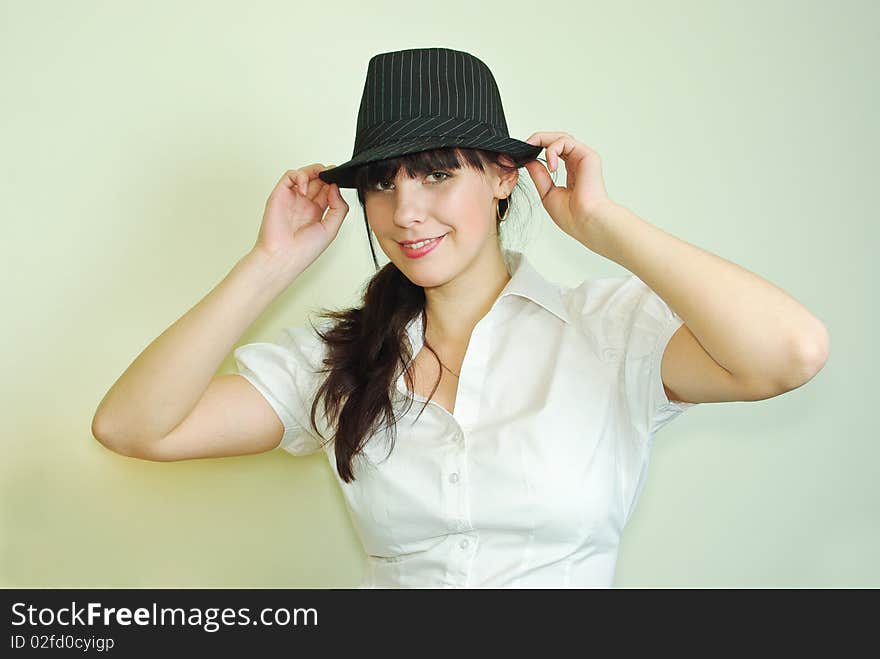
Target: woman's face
x: 458, y: 205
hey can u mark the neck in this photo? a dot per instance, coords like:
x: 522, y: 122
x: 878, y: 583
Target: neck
x: 454, y: 309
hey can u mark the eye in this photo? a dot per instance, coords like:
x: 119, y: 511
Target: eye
x: 378, y: 185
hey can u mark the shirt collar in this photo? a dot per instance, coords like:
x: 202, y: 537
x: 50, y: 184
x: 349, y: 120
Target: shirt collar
x: 527, y: 282
x: 524, y: 281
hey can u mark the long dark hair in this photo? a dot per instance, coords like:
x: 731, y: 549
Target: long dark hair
x: 367, y: 345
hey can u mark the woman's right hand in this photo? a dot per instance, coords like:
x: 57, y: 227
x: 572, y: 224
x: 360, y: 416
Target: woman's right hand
x: 292, y: 229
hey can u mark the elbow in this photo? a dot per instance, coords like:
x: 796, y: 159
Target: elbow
x: 815, y: 351
x: 811, y: 355
x: 105, y: 439
x: 100, y: 432
x: 111, y: 440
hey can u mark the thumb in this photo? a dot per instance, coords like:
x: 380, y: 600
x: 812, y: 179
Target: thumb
x: 540, y: 176
x: 336, y: 211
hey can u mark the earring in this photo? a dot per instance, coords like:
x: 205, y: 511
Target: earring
x: 500, y: 217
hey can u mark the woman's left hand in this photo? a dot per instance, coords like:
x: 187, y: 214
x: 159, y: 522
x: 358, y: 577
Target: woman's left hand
x: 583, y: 195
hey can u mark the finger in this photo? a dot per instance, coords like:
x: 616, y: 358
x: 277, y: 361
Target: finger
x: 556, y: 145
x: 317, y: 187
x: 294, y: 179
x: 544, y: 138
x: 322, y: 194
x: 313, y: 184
x: 301, y: 179
x: 564, y: 148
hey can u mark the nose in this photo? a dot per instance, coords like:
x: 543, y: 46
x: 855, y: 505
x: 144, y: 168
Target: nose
x: 408, y: 203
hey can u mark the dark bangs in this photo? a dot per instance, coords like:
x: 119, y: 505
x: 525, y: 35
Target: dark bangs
x: 418, y: 164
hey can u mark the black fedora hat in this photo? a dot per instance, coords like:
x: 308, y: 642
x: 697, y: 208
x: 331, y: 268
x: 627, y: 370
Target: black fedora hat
x: 425, y: 98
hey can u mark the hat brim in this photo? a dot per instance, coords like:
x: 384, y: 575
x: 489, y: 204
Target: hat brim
x: 344, y: 175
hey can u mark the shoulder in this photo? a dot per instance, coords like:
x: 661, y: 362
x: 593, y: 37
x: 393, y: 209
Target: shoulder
x: 293, y: 348
x: 603, y: 297
x: 305, y: 336
x: 622, y: 314
x: 304, y: 341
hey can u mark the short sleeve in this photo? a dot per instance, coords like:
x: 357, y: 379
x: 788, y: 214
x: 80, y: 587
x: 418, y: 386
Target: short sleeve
x: 285, y: 374
x: 643, y: 324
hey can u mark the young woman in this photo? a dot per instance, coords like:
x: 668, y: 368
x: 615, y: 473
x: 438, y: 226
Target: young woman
x: 539, y: 402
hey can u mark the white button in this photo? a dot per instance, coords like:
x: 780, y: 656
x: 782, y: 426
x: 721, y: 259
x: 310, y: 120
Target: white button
x: 464, y: 543
x: 453, y: 477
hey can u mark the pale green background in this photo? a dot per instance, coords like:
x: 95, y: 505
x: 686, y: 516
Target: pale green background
x: 140, y: 141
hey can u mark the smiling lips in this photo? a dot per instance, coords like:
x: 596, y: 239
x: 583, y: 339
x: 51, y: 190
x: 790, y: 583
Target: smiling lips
x: 425, y: 247
x: 418, y: 243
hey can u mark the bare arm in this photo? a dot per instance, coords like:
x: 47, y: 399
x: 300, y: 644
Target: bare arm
x: 168, y: 404
x: 162, y: 386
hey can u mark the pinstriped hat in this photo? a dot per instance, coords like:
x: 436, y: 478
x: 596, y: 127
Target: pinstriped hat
x: 425, y: 98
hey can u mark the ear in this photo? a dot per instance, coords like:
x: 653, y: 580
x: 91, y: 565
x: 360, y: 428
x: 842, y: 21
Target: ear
x: 506, y: 178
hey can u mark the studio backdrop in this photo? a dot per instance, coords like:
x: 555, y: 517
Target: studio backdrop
x: 141, y: 141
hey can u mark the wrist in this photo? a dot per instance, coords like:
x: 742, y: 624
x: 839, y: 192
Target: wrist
x: 588, y: 231
x: 271, y: 270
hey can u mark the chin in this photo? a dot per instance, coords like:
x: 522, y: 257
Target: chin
x: 427, y: 281
x: 423, y: 275
x: 428, y: 273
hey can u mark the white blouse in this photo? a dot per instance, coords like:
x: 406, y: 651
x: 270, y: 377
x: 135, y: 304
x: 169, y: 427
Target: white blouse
x: 532, y: 479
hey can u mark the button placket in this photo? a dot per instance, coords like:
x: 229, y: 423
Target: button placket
x: 457, y: 511
x: 467, y: 408
x: 473, y: 373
